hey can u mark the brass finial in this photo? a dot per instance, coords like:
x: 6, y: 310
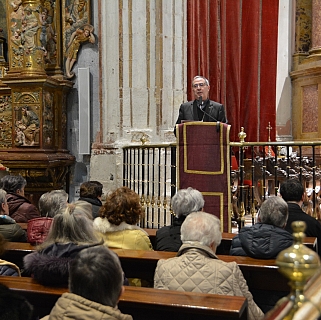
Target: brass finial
x: 242, y: 135
x: 144, y: 138
x: 298, y: 263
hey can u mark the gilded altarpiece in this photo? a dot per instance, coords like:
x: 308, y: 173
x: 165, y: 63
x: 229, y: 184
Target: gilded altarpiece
x: 33, y: 95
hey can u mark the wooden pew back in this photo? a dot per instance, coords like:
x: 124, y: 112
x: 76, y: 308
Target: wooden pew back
x: 142, y: 303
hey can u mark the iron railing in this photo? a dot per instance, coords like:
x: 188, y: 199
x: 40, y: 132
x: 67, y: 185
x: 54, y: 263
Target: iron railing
x: 257, y: 170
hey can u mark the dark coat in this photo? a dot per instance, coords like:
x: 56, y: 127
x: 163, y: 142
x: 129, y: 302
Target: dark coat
x: 261, y: 241
x: 20, y: 208
x: 169, y: 238
x: 313, y: 227
x: 14, y: 306
x: 50, y: 265
x: 11, y: 231
x: 95, y: 203
x: 7, y: 270
x: 213, y: 112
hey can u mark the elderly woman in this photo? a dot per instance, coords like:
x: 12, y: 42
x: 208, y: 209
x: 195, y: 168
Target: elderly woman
x: 183, y: 203
x: 53, y: 202
x: 118, y: 220
x: 197, y: 268
x: 50, y: 204
x: 9, y: 229
x: 20, y: 208
x: 70, y: 232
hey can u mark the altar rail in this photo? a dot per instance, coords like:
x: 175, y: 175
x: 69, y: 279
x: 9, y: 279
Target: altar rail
x: 257, y: 169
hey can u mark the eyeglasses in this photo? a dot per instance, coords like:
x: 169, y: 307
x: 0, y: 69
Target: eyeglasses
x: 199, y: 85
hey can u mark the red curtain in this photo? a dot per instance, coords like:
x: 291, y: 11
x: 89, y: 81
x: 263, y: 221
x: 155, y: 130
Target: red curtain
x: 234, y: 44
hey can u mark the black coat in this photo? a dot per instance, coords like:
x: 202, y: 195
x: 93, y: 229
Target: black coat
x: 261, y: 241
x: 169, y: 238
x: 213, y: 112
x: 313, y: 227
x: 95, y: 203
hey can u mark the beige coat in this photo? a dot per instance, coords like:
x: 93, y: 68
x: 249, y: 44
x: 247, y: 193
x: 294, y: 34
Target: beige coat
x: 197, y: 269
x: 124, y: 236
x: 71, y: 306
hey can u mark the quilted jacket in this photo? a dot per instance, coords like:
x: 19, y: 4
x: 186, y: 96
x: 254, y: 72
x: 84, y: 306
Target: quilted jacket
x: 71, y: 306
x: 197, y: 269
x: 261, y: 241
x: 124, y: 236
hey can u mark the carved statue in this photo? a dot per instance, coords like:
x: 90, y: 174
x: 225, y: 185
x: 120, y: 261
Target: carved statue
x: 76, y: 39
x: 27, y: 127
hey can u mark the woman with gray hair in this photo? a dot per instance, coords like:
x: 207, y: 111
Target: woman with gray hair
x: 9, y: 229
x: 183, y: 203
x: 197, y: 268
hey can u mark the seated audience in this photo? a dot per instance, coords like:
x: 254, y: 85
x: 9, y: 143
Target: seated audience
x: 7, y: 268
x: 9, y: 229
x: 292, y: 192
x: 265, y: 239
x: 183, y: 203
x: 12, y: 305
x: 95, y: 286
x: 70, y: 233
x: 118, y: 220
x: 20, y: 208
x: 91, y: 191
x: 53, y: 202
x: 50, y: 204
x: 196, y: 267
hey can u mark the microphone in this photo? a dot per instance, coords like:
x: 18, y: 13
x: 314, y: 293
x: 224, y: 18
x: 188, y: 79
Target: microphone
x: 199, y: 102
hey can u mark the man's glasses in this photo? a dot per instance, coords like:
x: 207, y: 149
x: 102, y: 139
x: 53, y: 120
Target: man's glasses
x: 199, y: 85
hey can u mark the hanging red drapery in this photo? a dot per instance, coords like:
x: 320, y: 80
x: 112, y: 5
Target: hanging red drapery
x: 234, y: 44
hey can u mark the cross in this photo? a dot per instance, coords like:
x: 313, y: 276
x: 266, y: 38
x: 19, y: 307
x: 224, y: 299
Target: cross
x: 269, y: 128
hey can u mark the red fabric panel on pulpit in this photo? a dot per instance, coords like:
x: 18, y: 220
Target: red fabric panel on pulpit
x: 204, y: 164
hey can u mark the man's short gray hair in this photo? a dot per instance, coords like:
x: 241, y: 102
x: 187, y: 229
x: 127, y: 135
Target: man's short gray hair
x: 274, y: 211
x: 201, y: 227
x: 201, y: 77
x: 186, y: 201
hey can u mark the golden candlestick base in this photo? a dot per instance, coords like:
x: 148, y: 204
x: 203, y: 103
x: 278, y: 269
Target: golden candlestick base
x: 298, y: 263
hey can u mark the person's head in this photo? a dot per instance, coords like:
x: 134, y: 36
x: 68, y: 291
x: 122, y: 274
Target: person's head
x: 201, y: 87
x: 96, y: 275
x: 80, y: 207
x: 292, y: 190
x: 274, y: 211
x: 52, y: 203
x: 13, y: 184
x: 71, y: 226
x: 186, y: 201
x: 122, y: 205
x: 4, y: 209
x: 201, y: 227
x: 91, y: 189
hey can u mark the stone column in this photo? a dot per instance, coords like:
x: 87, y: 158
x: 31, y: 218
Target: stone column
x: 316, y: 28
x: 303, y: 26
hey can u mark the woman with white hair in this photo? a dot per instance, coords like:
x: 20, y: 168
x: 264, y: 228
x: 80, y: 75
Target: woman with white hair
x: 183, y: 203
x: 197, y: 268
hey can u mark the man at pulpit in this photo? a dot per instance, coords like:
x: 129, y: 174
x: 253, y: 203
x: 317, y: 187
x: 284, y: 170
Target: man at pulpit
x: 201, y: 108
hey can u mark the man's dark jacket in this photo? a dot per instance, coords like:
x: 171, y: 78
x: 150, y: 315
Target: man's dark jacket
x: 261, y: 241
x: 213, y: 112
x: 95, y: 203
x: 313, y: 228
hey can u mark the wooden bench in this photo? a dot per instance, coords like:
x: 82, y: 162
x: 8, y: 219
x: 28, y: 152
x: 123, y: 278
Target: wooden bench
x: 224, y: 247
x: 142, y: 303
x: 142, y: 264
